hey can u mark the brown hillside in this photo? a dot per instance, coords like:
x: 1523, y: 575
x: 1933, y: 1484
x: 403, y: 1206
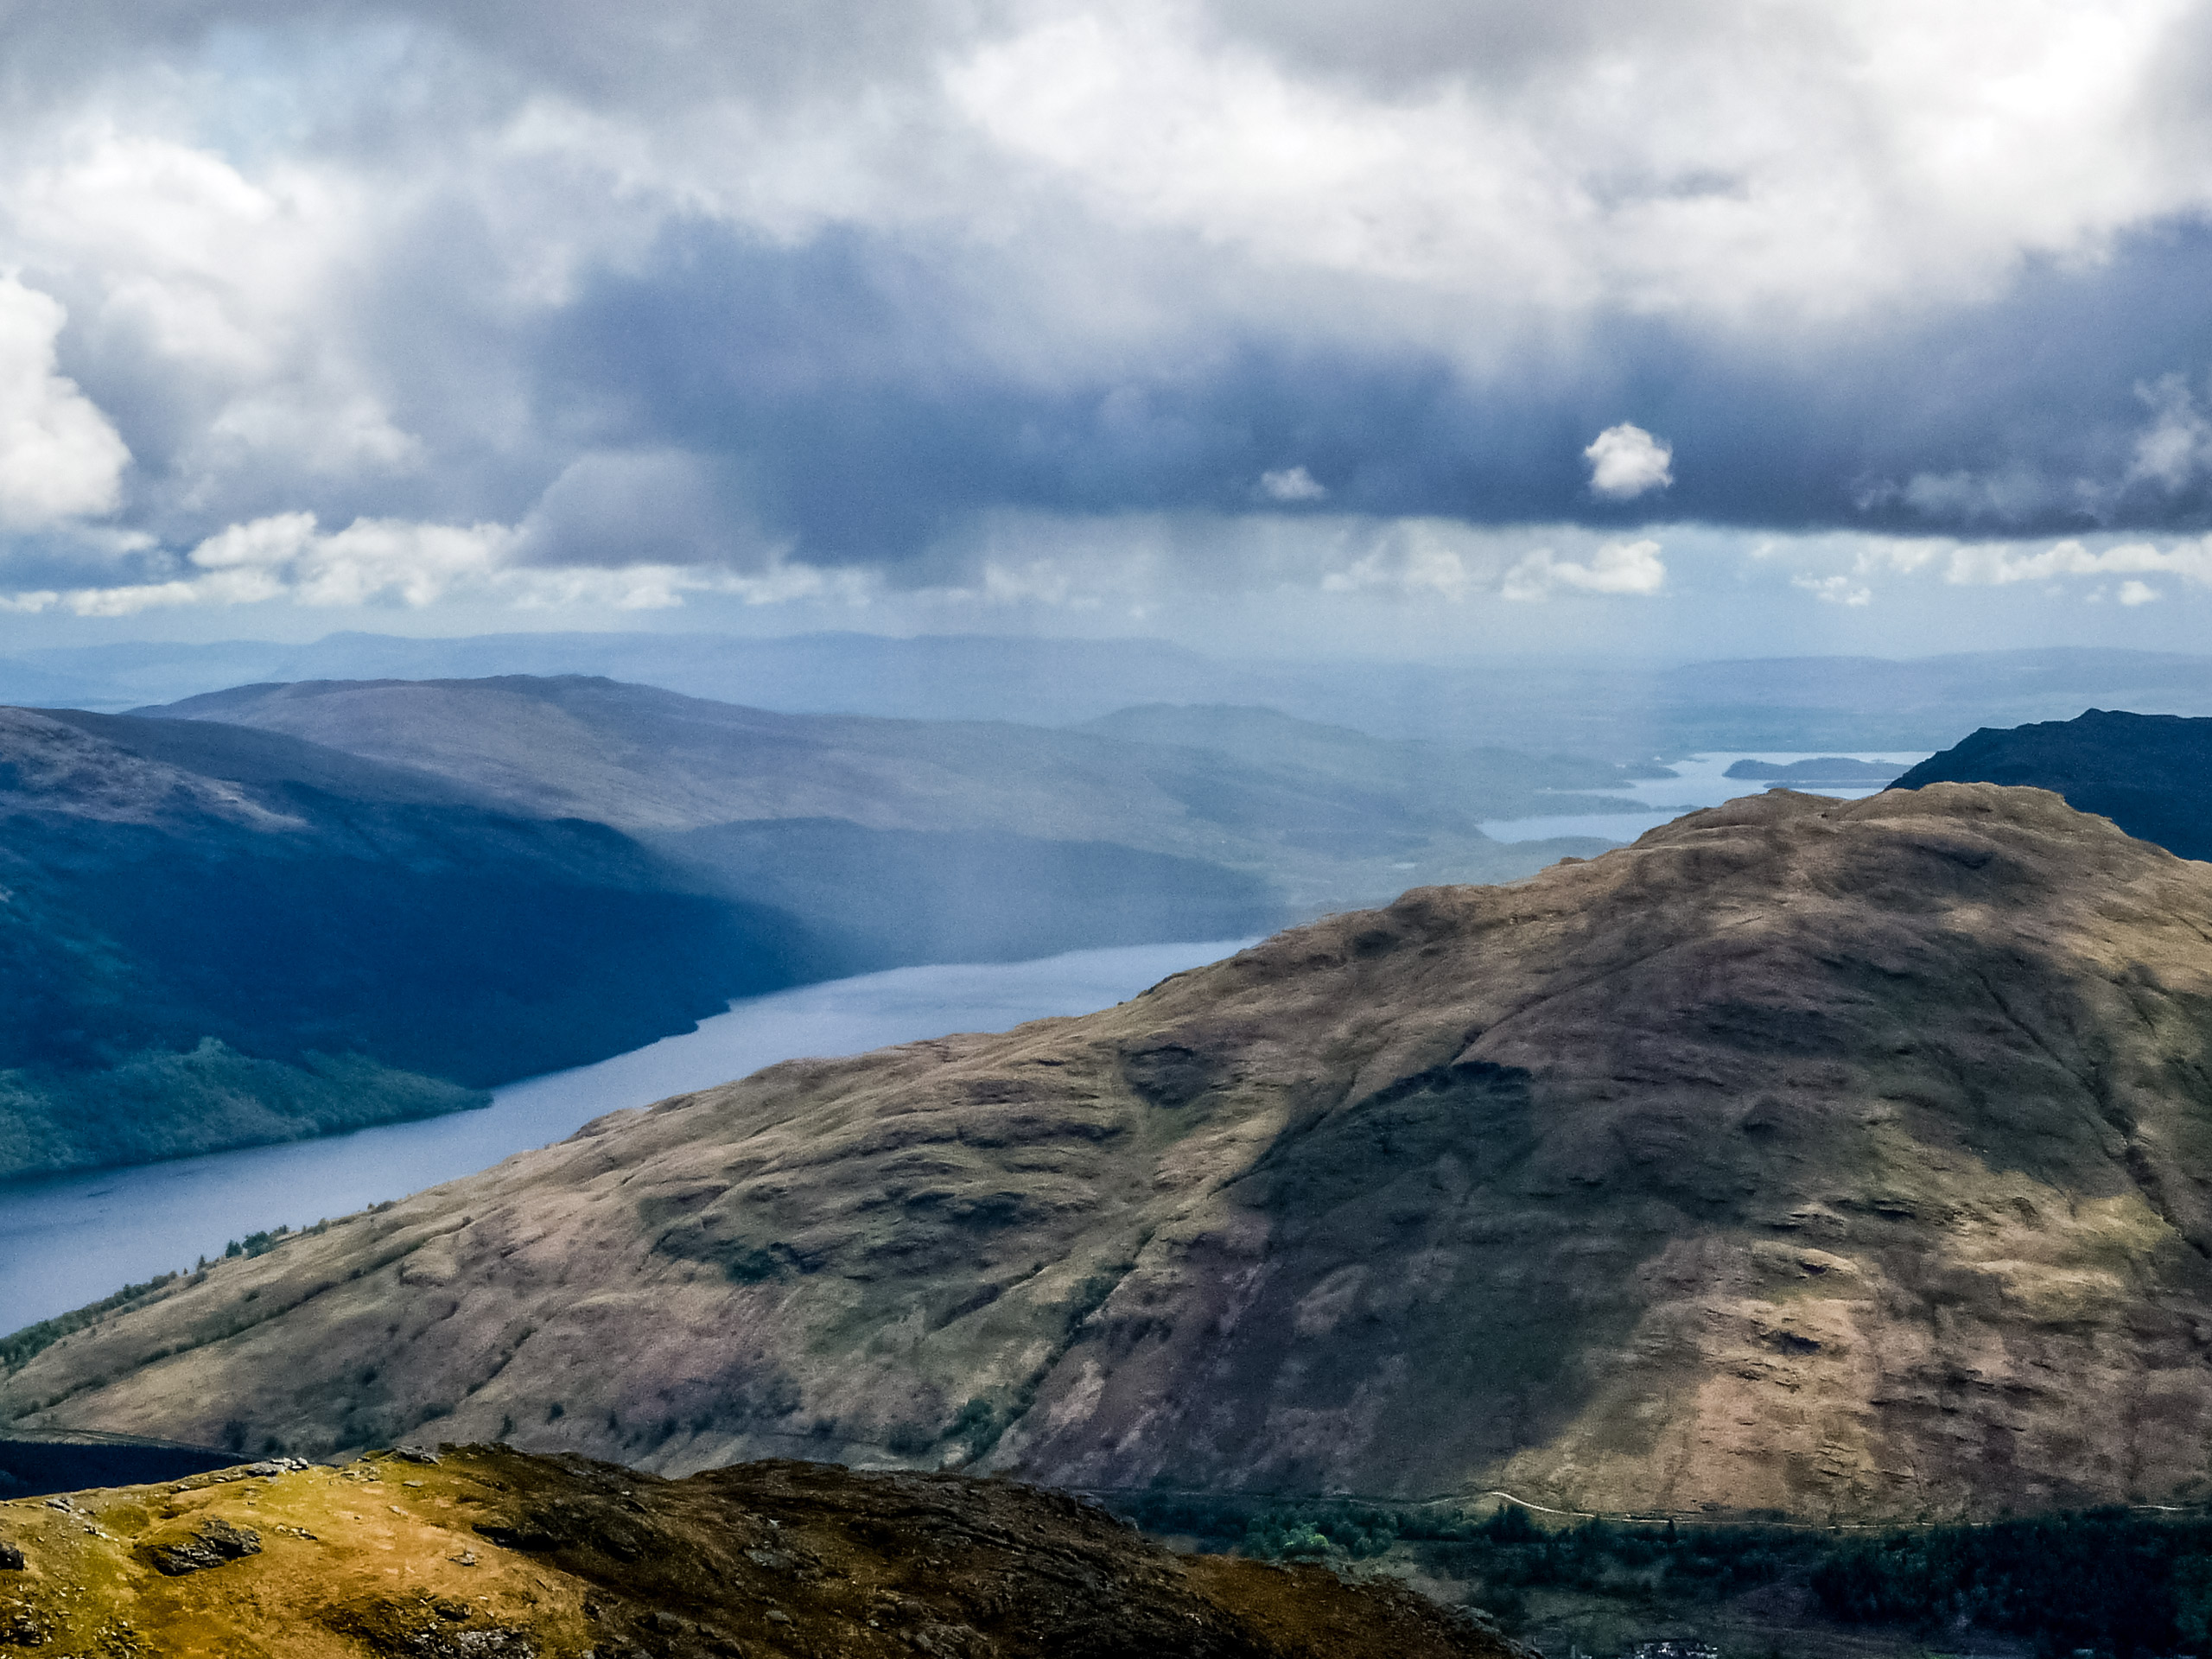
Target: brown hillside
x: 484, y: 1553
x: 1845, y: 1159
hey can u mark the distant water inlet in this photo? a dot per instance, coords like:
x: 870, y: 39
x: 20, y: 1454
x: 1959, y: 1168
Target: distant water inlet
x: 1701, y: 780
x: 69, y: 1240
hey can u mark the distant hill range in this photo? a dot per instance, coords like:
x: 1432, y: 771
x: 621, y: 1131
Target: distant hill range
x: 1608, y: 707
x: 1156, y: 822
x: 284, y: 910
x: 2150, y: 774
x: 1837, y: 770
x: 1838, y: 1160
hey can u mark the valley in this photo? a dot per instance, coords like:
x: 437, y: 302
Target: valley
x: 1045, y: 831
x: 1807, y: 1157
x: 1796, y: 1168
x: 69, y: 1240
x: 287, y: 911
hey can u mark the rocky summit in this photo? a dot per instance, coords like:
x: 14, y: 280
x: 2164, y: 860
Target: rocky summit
x: 1848, y: 1159
x: 481, y: 1553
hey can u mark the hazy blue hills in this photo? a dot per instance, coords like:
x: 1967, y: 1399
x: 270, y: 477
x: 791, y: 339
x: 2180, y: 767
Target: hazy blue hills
x: 1614, y: 709
x: 2150, y: 774
x: 1830, y: 769
x: 1305, y: 818
x: 217, y: 936
x: 287, y: 909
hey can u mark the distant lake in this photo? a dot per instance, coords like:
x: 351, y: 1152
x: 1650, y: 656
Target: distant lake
x: 69, y: 1240
x: 1699, y: 784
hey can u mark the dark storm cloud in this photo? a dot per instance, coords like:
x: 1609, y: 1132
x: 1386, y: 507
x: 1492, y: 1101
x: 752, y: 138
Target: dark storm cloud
x: 850, y: 385
x: 691, y: 284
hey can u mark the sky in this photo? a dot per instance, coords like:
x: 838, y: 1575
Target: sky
x: 1427, y: 328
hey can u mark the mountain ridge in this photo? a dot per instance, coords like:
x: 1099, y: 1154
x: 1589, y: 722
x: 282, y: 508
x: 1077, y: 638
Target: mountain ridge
x: 2150, y: 774
x: 1807, y: 1156
x: 1350, y: 820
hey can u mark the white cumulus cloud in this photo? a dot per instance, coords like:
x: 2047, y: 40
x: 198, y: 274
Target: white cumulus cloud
x: 1834, y: 590
x: 60, y: 458
x: 1615, y: 567
x: 1292, y: 484
x: 396, y: 563
x: 2000, y: 563
x: 1626, y: 461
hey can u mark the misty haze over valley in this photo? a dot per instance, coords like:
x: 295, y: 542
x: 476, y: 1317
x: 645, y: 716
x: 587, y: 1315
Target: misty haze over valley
x: 1023, y: 829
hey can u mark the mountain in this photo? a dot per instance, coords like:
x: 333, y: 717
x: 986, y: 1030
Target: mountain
x: 1611, y: 708
x: 1483, y: 781
x: 1309, y: 819
x: 928, y: 676
x: 2150, y: 774
x: 481, y: 1553
x: 1806, y: 1156
x: 1834, y: 770
x: 284, y: 910
x: 217, y: 937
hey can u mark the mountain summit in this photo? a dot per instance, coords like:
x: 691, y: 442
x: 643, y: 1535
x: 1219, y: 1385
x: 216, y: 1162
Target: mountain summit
x: 2150, y: 774
x: 1842, y: 1159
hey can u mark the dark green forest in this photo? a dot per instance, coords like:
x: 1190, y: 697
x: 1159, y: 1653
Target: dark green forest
x: 2118, y: 1583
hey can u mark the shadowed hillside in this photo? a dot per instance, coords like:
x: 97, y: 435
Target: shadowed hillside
x: 2150, y: 774
x: 216, y: 937
x: 1807, y: 1156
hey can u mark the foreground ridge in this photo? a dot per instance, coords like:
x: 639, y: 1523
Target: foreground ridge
x: 480, y: 1551
x: 1851, y: 1161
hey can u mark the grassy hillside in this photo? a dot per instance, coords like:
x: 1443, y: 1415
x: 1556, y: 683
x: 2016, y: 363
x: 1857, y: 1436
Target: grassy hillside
x: 481, y: 1553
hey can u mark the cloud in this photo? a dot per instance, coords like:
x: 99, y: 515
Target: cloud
x: 60, y: 459
x: 1834, y: 589
x: 2138, y: 593
x: 1615, y: 567
x: 1293, y: 484
x: 1626, y: 461
x: 1414, y: 561
x: 621, y: 508
x: 1999, y: 564
x: 828, y: 287
x: 288, y: 557
x: 2176, y: 448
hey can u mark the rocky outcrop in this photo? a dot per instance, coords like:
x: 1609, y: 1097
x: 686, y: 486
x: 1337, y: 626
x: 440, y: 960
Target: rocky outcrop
x: 1844, y: 1159
x: 209, y: 1542
x: 488, y: 1555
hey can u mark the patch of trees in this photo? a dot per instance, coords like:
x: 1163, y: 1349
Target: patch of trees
x: 2114, y: 1582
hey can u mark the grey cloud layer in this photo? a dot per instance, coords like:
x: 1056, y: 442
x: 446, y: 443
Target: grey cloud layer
x: 688, y: 284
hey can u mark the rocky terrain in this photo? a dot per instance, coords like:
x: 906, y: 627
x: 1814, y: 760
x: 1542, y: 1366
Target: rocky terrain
x: 216, y: 937
x: 481, y: 1553
x: 1847, y: 1159
x: 2150, y: 774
